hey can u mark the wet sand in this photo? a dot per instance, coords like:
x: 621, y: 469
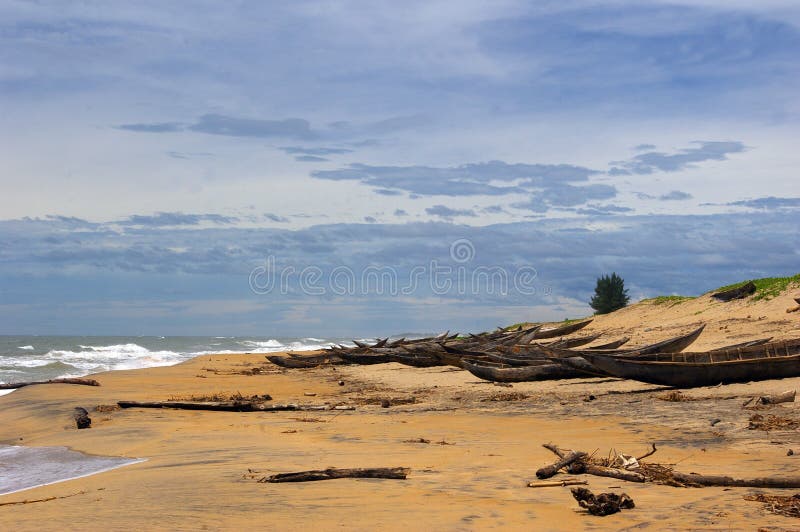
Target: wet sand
x: 202, y: 467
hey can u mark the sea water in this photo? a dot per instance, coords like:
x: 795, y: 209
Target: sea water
x: 28, y: 467
x: 31, y: 358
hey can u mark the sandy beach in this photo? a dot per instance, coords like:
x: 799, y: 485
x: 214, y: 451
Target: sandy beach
x: 485, y: 442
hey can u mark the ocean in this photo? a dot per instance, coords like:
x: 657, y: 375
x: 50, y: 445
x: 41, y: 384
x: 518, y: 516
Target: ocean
x: 31, y: 358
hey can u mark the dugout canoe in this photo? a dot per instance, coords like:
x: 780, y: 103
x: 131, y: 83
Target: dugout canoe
x: 775, y: 360
x: 736, y: 293
x: 539, y: 372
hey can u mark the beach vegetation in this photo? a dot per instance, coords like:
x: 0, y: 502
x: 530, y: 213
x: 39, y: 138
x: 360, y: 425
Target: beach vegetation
x: 609, y: 294
x: 767, y: 287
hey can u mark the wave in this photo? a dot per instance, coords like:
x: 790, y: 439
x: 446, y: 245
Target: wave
x: 81, y: 360
x: 26, y: 347
x: 96, y: 358
x: 268, y: 343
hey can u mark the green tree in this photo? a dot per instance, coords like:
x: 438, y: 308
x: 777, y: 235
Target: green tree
x: 609, y: 294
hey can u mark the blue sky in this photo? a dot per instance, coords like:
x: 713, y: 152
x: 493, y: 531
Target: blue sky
x: 156, y: 155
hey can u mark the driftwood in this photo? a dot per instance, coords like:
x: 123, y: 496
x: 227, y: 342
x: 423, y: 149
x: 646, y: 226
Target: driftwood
x: 720, y: 480
x: 564, y: 461
x: 785, y: 397
x: 333, y: 473
x: 556, y: 483
x: 581, y: 467
x: 82, y: 419
x: 15, y: 385
x: 229, y: 406
x: 602, y: 471
x: 31, y: 501
x: 603, y: 504
x: 675, y: 478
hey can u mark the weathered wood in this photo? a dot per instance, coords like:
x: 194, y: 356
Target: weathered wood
x: 649, y: 453
x: 581, y: 467
x: 785, y: 397
x: 230, y: 406
x: 399, y: 473
x: 552, y: 448
x: 720, y: 480
x: 557, y: 483
x: 603, y: 471
x: 15, y: 385
x: 81, y: 417
x: 552, y: 469
x: 31, y: 501
x: 736, y: 293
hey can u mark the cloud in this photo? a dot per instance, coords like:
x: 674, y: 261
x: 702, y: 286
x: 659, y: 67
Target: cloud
x: 652, y: 161
x: 602, y: 210
x: 176, y: 218
x: 489, y: 178
x: 275, y: 218
x: 370, y: 219
x: 443, y: 211
x: 318, y: 151
x: 310, y: 159
x: 400, y: 212
x: 53, y: 261
x: 159, y: 127
x: 644, y: 147
x: 675, y: 195
x: 768, y: 203
x: 215, y: 124
x: 387, y: 192
x: 561, y: 195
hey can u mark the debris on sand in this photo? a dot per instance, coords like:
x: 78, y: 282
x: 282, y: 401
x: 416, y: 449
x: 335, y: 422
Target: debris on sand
x: 778, y: 504
x: 602, y: 504
x: 772, y: 422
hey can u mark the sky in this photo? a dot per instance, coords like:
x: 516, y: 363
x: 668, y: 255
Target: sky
x: 361, y: 168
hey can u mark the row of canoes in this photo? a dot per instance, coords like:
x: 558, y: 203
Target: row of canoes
x: 521, y: 355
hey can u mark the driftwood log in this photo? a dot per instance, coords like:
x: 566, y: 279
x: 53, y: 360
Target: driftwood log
x: 785, y: 397
x: 602, y: 471
x: 15, y: 385
x: 229, y: 406
x: 556, y: 483
x: 563, y: 461
x: 82, y: 419
x: 333, y: 473
x: 684, y: 479
x: 578, y: 467
x: 720, y: 480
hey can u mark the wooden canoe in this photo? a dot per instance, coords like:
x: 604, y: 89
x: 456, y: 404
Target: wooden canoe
x: 543, y: 334
x: 538, y: 372
x: 671, y: 345
x: 611, y: 345
x: 776, y: 360
x: 736, y: 293
x: 569, y: 343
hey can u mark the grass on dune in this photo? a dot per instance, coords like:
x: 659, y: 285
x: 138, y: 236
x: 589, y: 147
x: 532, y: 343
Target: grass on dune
x: 662, y: 300
x: 766, y: 288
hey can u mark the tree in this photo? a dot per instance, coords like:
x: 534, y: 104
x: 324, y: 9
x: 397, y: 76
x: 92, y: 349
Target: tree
x: 609, y: 294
